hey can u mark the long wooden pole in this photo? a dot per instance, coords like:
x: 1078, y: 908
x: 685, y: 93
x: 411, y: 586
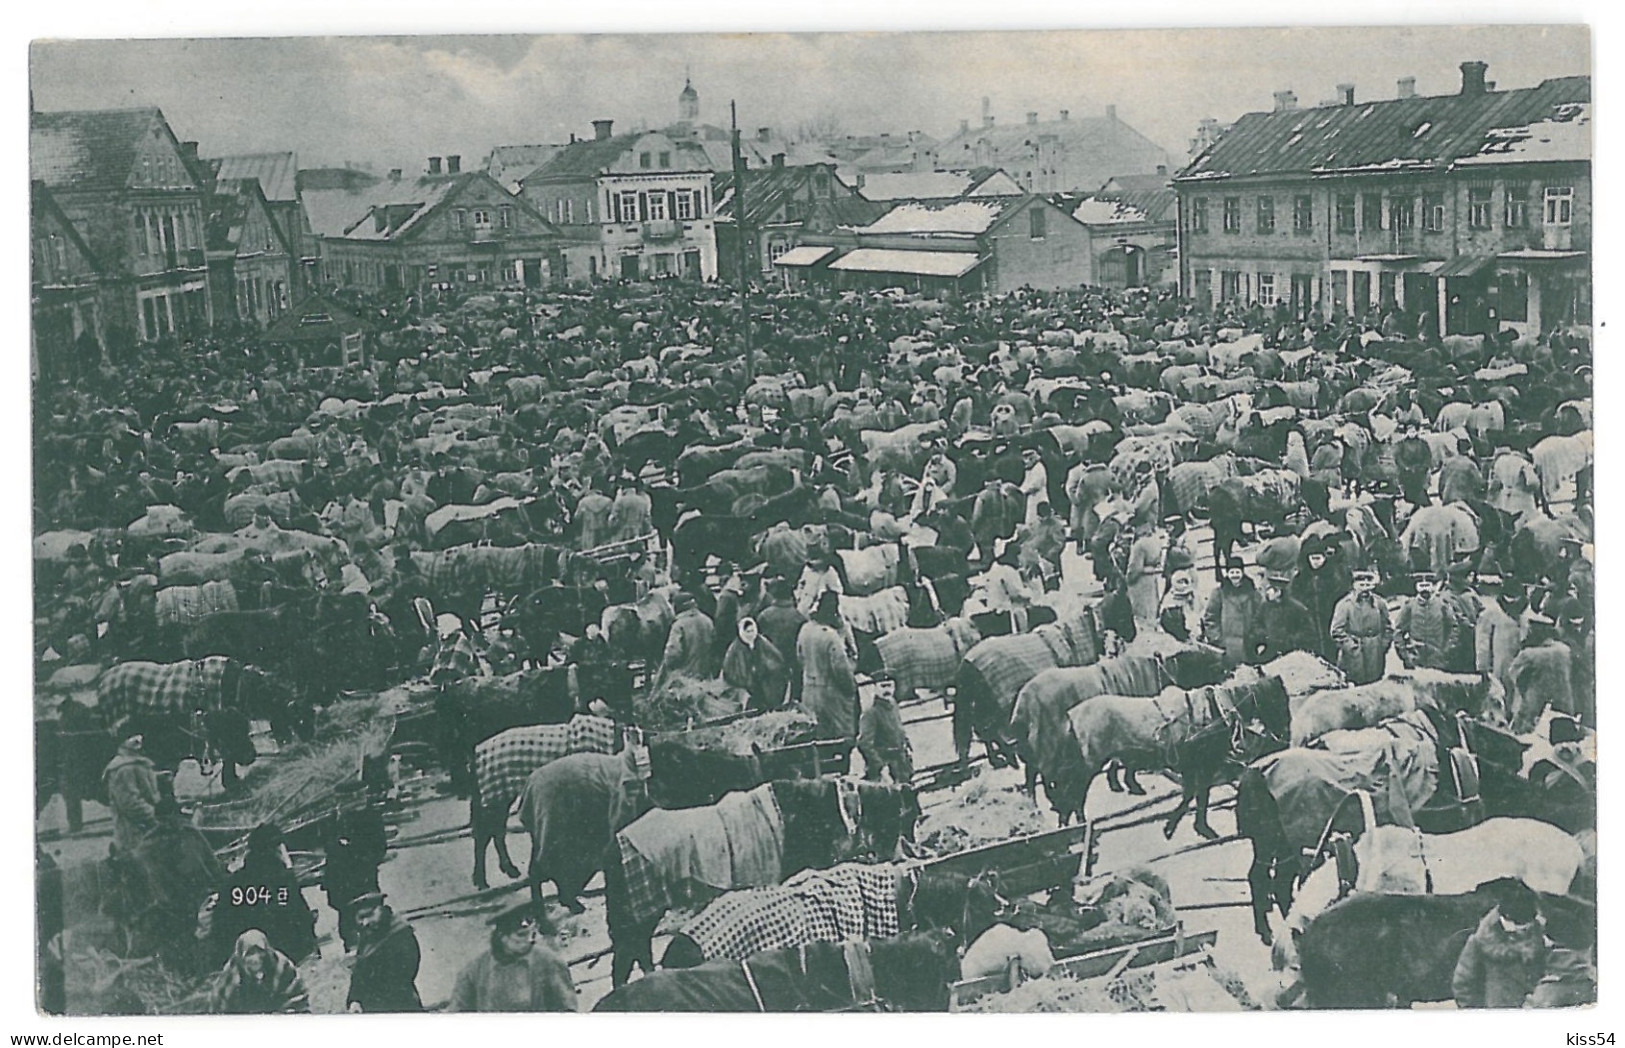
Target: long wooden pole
x: 744, y: 250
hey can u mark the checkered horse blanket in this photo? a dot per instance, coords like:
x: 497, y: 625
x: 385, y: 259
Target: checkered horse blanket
x: 503, y: 763
x: 682, y: 856
x: 849, y: 901
x: 240, y: 509
x: 1189, y: 482
x: 926, y: 658
x: 185, y: 606
x: 158, y: 687
x: 280, y: 473
x: 1007, y: 663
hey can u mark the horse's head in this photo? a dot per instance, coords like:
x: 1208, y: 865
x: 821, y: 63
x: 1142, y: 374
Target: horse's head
x: 1272, y: 707
x: 276, y: 701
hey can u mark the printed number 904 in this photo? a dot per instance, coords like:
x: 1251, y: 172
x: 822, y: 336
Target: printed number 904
x: 262, y: 895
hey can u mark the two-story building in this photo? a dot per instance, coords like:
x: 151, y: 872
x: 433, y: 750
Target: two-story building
x: 450, y: 226
x: 252, y: 266
x: 990, y: 245
x: 781, y: 204
x: 65, y: 285
x: 1467, y: 211
x: 634, y: 206
x: 1133, y: 230
x: 135, y: 196
x: 278, y: 177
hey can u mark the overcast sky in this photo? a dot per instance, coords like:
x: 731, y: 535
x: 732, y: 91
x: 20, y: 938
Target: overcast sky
x: 395, y: 100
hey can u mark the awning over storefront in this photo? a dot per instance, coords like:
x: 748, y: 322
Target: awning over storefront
x: 1539, y: 255
x: 913, y: 263
x: 806, y: 255
x: 1463, y: 265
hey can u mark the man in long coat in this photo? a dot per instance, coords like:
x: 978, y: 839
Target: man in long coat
x: 827, y: 686
x: 131, y: 784
x: 1362, y: 632
x: 1320, y: 583
x: 592, y: 517
x: 1231, y: 621
x: 1413, y: 459
x: 1541, y: 676
x: 384, y: 976
x: 1143, y: 570
x: 1426, y: 627
x: 690, y: 646
x: 1498, y: 634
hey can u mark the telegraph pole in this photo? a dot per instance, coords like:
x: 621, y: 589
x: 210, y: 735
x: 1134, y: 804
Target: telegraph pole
x: 744, y: 249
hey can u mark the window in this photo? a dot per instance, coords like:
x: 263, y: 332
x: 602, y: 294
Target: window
x: 142, y: 247
x: 1199, y: 215
x: 1345, y: 213
x: 1559, y: 205
x: 1035, y: 219
x: 1370, y: 211
x: 683, y: 204
x: 657, y: 207
x: 1401, y: 214
x: 660, y: 265
x: 1303, y: 215
x: 775, y: 248
x: 506, y: 216
x: 1266, y: 214
x: 665, y: 159
x: 1478, y: 207
x: 628, y: 200
x: 1517, y: 208
x: 482, y: 218
x: 59, y: 253
x: 1266, y: 289
x: 457, y: 218
x: 1229, y: 285
x: 645, y: 160
x: 569, y: 211
x: 1433, y: 213
x: 1232, y: 214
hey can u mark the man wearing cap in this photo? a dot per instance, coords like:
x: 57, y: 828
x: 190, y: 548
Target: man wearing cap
x: 1231, y: 621
x: 1541, y: 675
x: 1426, y: 626
x: 1321, y: 581
x: 592, y: 517
x: 1498, y: 633
x: 1284, y: 624
x: 826, y: 686
x: 1460, y: 479
x: 1413, y: 460
x: 689, y: 645
x: 1460, y: 595
x: 384, y: 976
x: 881, y: 738
x: 518, y: 973
x: 631, y: 516
x: 780, y: 622
x: 1362, y: 631
x: 1503, y: 960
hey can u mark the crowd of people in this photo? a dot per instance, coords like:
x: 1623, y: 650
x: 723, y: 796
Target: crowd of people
x: 1453, y: 534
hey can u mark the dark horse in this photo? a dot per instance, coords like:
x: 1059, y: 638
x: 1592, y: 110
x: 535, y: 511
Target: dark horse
x: 816, y: 834
x: 911, y: 973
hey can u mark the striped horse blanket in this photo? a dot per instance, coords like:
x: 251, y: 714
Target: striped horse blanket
x: 1008, y: 663
x: 849, y: 901
x: 164, y: 688
x: 1041, y: 709
x: 240, y: 509
x: 926, y: 658
x: 504, y: 762
x: 685, y: 856
x: 870, y: 570
x: 877, y: 613
x: 189, y: 567
x: 184, y: 606
x: 1189, y: 482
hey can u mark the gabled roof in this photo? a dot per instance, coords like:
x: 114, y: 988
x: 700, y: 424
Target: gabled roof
x: 1403, y: 134
x: 316, y: 318
x: 962, y: 218
x: 1110, y: 139
x: 277, y: 173
x: 1565, y: 135
x: 227, y: 210
x: 767, y: 188
x: 939, y: 185
x: 1124, y: 198
x: 406, y: 206
x: 43, y: 204
x: 89, y: 149
x: 589, y: 158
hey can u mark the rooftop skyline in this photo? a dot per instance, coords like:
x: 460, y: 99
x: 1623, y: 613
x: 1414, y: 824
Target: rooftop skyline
x: 393, y: 101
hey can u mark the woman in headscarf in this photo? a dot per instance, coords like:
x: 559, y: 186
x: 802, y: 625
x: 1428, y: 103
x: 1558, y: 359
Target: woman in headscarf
x: 827, y: 686
x: 258, y: 981
x: 753, y: 663
x: 1179, y: 615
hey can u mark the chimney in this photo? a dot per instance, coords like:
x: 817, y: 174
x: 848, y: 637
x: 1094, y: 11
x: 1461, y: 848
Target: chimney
x: 1111, y: 113
x: 1472, y: 77
x: 189, y: 151
x: 778, y: 159
x: 454, y: 165
x: 1066, y: 114
x: 1346, y: 93
x: 1032, y: 118
x: 601, y: 129
x: 964, y: 127
x: 1285, y: 100
x: 987, y: 111
x: 763, y: 134
x: 434, y: 165
x: 394, y: 174
x: 1162, y: 169
x: 1407, y: 87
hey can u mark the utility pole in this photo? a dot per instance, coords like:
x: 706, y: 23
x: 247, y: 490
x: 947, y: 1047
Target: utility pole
x: 744, y: 248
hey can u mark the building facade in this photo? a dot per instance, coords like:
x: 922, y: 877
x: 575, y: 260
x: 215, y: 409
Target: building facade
x: 783, y: 203
x: 1066, y: 155
x: 1133, y: 230
x: 632, y: 207
x: 278, y: 178
x: 253, y: 269
x: 1467, y: 212
x: 459, y: 229
x: 66, y: 283
x: 135, y: 196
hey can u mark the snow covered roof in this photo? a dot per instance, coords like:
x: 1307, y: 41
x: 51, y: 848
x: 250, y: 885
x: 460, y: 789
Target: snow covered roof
x: 963, y: 218
x: 1565, y: 135
x: 913, y: 263
x: 1093, y: 211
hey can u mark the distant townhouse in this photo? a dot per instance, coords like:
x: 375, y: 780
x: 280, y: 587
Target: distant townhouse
x: 448, y: 227
x: 66, y: 281
x: 993, y: 244
x: 635, y: 206
x: 1133, y: 230
x: 1471, y: 211
x: 134, y: 194
x: 278, y: 178
x: 508, y: 164
x: 938, y: 186
x: 782, y: 203
x: 252, y: 264
x: 1066, y: 155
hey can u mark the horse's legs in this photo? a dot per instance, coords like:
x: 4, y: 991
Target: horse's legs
x: 498, y: 830
x: 962, y: 727
x: 482, y: 836
x: 1177, y: 814
x: 1260, y: 886
x: 1131, y: 780
x: 1201, y: 823
x: 1114, y: 771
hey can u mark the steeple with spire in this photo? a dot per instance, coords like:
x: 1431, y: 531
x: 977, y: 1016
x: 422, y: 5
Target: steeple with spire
x: 688, y: 103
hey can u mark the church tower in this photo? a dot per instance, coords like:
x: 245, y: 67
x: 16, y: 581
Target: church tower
x: 688, y: 104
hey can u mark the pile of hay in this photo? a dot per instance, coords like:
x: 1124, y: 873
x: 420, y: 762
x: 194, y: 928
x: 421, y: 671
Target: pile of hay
x: 682, y: 702
x: 327, y: 981
x: 769, y: 731
x: 978, y: 813
x: 1204, y: 988
x: 101, y: 983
